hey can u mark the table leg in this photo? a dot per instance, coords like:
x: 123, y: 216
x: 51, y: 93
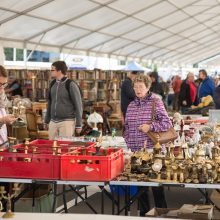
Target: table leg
x: 83, y: 199
x: 102, y: 200
x: 33, y: 199
x: 129, y: 207
x: 138, y: 204
x: 113, y: 202
x: 126, y: 200
x: 119, y: 200
x: 132, y: 200
x: 64, y: 199
x: 54, y: 197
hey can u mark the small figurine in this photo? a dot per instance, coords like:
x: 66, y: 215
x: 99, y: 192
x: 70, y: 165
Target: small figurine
x: 195, y: 174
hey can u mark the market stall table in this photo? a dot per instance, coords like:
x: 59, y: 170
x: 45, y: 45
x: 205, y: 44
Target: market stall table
x: 142, y: 187
x: 36, y: 216
x: 74, y: 186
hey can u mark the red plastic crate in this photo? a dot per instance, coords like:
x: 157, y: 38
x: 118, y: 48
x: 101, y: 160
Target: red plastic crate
x: 43, y: 164
x: 100, y: 168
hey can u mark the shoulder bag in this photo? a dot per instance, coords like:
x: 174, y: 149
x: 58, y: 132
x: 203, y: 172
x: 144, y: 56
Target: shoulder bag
x: 162, y: 137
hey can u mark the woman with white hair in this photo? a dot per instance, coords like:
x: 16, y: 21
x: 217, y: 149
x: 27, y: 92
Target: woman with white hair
x: 187, y: 95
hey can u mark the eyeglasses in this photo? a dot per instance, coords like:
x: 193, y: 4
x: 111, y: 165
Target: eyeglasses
x: 3, y: 85
x: 139, y: 87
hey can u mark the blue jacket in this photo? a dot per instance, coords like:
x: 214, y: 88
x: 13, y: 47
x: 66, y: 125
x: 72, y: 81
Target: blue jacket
x: 207, y: 87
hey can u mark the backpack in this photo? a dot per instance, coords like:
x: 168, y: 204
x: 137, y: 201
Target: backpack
x: 67, y: 86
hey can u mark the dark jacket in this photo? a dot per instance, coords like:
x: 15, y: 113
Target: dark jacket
x: 216, y: 97
x: 156, y: 87
x: 62, y: 106
x: 127, y: 95
x: 185, y: 94
x: 18, y: 90
x: 207, y: 87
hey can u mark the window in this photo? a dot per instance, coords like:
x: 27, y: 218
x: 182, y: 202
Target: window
x: 8, y: 54
x: 38, y: 56
x: 19, y: 55
x: 122, y: 62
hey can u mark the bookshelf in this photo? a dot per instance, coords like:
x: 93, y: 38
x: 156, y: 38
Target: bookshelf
x: 35, y: 83
x: 97, y: 85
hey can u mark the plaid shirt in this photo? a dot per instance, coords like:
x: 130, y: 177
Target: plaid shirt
x: 138, y: 113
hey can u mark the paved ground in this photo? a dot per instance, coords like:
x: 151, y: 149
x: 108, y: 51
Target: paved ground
x: 175, y: 197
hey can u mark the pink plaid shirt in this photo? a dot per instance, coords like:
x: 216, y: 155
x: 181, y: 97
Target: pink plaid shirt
x: 138, y: 113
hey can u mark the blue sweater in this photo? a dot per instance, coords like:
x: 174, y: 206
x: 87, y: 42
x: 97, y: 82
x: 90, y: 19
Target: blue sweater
x: 207, y: 87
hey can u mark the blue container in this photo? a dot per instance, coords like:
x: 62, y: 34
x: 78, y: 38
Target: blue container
x: 120, y: 190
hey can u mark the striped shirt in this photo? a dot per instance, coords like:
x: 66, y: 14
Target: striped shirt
x: 138, y: 113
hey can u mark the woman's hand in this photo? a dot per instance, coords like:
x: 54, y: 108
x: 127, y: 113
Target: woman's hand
x: 144, y: 128
x: 8, y: 119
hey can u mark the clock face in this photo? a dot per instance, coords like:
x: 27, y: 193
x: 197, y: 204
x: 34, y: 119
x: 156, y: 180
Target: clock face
x: 157, y: 166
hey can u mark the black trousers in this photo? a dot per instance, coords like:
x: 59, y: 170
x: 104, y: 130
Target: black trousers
x: 7, y: 189
x: 159, y: 199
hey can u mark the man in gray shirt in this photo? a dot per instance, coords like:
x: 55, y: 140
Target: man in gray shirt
x: 64, y: 111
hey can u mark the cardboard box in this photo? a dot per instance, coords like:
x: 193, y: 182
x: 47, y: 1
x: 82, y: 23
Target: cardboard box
x: 42, y: 204
x: 201, y: 212
x: 42, y: 189
x: 162, y: 212
x: 215, y: 198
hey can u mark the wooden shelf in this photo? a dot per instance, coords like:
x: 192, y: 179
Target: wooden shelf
x: 95, y: 85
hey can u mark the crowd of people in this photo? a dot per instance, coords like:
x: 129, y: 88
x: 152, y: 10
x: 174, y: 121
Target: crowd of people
x: 177, y: 94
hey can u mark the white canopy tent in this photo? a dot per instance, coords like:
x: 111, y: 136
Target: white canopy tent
x: 166, y: 31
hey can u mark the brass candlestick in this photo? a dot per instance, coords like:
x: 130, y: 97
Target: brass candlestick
x: 34, y: 149
x: 8, y: 197
x: 54, y: 147
x: 12, y: 142
x: 26, y: 146
x: 1, y: 206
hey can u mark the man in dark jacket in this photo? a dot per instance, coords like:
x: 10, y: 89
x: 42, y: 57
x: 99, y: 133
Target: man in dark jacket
x: 216, y: 97
x: 127, y: 92
x: 187, y: 95
x: 64, y: 112
x: 156, y: 87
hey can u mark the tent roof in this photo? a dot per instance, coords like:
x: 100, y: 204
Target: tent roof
x: 170, y: 31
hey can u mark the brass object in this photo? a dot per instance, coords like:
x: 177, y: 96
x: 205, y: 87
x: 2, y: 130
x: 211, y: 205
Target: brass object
x: 198, y: 164
x: 19, y: 110
x: 14, y: 150
x: 59, y: 150
x: 34, y: 149
x: 1, y: 206
x: 9, y: 197
x: 26, y: 145
x: 27, y: 159
x: 200, y: 155
x: 12, y: 141
x: 174, y: 167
